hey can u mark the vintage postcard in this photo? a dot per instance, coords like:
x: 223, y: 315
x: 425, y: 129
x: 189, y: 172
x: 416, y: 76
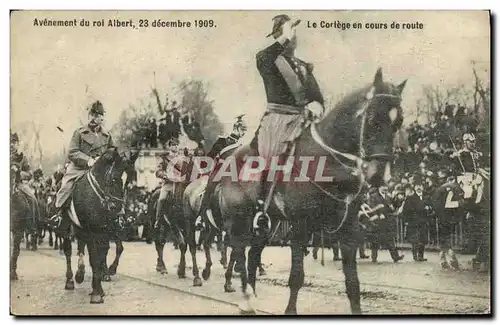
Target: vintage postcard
x: 250, y: 162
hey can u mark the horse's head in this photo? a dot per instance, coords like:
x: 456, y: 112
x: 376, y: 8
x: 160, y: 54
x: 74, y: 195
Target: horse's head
x: 112, y: 171
x: 364, y: 124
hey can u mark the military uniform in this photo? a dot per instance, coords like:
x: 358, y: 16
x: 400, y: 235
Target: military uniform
x: 447, y: 202
x: 169, y: 185
x: 378, y: 217
x: 88, y: 142
x: 222, y: 145
x: 290, y: 85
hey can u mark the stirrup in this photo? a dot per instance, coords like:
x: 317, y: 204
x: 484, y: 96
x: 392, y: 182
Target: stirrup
x: 257, y: 217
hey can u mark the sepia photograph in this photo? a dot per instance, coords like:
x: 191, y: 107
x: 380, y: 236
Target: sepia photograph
x: 244, y: 162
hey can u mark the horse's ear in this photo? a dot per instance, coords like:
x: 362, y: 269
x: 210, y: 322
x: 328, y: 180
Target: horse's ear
x: 378, y: 82
x: 401, y: 86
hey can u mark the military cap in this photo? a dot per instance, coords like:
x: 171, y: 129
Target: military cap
x: 279, y: 21
x: 97, y: 108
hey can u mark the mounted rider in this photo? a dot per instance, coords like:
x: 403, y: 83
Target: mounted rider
x: 221, y: 146
x: 162, y: 172
x: 86, y: 145
x: 293, y: 97
x: 19, y: 164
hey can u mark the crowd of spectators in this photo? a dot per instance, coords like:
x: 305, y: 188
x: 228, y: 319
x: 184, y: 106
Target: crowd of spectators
x: 159, y: 132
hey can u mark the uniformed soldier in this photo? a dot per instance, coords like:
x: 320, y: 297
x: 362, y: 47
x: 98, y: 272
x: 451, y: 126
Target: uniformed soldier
x: 469, y: 156
x: 168, y: 186
x: 447, y: 201
x: 86, y: 145
x: 292, y: 93
x: 220, y: 146
x: 37, y: 183
x: 19, y: 164
x: 378, y: 214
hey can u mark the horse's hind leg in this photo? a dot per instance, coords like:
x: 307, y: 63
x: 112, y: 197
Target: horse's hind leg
x: 248, y: 293
x: 119, y: 251
x: 80, y: 273
x: 348, y: 248
x: 70, y: 285
x: 228, y: 286
x: 16, y: 250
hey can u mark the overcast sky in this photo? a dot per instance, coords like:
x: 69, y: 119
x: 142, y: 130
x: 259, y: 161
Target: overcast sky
x: 51, y: 67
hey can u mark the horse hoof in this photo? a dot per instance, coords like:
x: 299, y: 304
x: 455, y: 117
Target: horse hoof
x: 315, y: 255
x: 96, y: 298
x: 70, y: 285
x: 445, y: 265
x: 262, y: 272
x: 51, y: 243
x: 197, y: 282
x: 13, y: 276
x: 112, y: 270
x: 247, y: 312
x: 34, y: 248
x: 106, y: 278
x: 80, y: 275
x: 205, y: 274
x: 228, y: 288
x: 181, y: 274
x: 291, y: 311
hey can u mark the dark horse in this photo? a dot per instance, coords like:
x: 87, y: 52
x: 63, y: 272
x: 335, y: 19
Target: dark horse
x: 354, y: 144
x: 21, y: 211
x: 97, y: 199
x: 172, y: 224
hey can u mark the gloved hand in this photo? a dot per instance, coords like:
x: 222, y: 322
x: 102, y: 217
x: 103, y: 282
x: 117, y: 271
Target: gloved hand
x: 91, y: 162
x: 316, y: 110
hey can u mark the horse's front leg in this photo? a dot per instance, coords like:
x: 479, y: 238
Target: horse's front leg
x: 119, y: 251
x: 96, y: 296
x: 348, y: 249
x: 70, y: 285
x: 191, y: 241
x: 16, y: 250
x: 160, y: 264
x: 80, y: 272
x: 296, y: 278
x: 208, y: 257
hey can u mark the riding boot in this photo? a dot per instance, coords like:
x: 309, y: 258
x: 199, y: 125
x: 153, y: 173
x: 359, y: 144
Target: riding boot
x: 205, y: 201
x: 159, y: 209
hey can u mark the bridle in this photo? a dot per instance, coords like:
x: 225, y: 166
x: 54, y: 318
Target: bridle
x: 358, y: 160
x: 105, y: 198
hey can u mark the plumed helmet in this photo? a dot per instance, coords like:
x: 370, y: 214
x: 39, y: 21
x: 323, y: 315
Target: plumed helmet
x: 97, y: 108
x: 468, y: 137
x: 278, y: 22
x: 240, y: 124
